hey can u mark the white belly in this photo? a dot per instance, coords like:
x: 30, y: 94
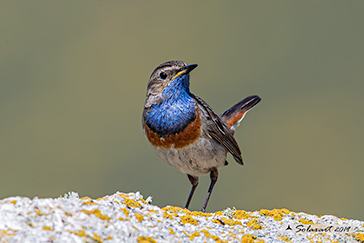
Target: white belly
x: 195, y: 159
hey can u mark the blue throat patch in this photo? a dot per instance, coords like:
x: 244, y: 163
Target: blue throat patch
x: 176, y: 111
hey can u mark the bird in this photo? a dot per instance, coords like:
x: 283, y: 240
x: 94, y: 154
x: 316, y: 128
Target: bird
x: 183, y: 129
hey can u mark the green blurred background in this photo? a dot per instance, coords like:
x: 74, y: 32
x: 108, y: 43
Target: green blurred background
x: 73, y: 78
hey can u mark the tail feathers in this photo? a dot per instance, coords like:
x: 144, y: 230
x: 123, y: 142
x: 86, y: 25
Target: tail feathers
x: 235, y: 114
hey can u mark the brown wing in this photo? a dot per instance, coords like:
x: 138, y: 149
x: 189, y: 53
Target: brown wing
x: 219, y: 131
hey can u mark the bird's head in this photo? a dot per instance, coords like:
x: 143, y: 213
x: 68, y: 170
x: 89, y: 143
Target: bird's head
x: 170, y: 79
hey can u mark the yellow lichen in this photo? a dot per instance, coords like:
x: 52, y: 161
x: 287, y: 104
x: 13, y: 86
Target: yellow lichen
x: 131, y: 203
x: 139, y: 217
x: 96, y: 238
x: 214, y: 237
x: 85, y: 198
x: 284, y: 238
x: 97, y: 213
x: 13, y: 202
x: 241, y: 214
x: 80, y: 233
x: 227, y: 221
x: 153, y: 211
x: 193, y: 235
x: 218, y: 213
x: 253, y: 224
x: 304, y: 221
x: 126, y: 212
x: 141, y: 199
x: 277, y: 214
x: 146, y: 239
x: 6, y: 233
x: 47, y: 228
x: 89, y: 203
x: 249, y: 238
x: 359, y: 237
x: 231, y: 222
x: 173, y: 209
x: 167, y: 215
x: 201, y: 214
x: 188, y: 219
x: 171, y: 231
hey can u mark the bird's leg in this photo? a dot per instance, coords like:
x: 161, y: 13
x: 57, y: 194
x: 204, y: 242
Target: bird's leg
x: 194, y: 182
x: 213, y: 176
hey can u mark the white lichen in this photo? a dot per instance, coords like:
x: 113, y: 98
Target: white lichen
x: 70, y: 195
x: 149, y: 200
x: 229, y: 212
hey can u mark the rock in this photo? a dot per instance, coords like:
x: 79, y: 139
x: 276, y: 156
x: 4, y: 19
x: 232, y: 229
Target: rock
x: 129, y: 218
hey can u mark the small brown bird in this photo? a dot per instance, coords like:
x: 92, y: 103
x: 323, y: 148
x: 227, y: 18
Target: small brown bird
x: 184, y: 131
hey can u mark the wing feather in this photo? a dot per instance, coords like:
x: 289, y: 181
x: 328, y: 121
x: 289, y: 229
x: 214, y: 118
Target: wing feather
x: 218, y: 130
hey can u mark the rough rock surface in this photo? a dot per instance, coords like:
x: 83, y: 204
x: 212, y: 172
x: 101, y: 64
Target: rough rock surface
x: 129, y: 218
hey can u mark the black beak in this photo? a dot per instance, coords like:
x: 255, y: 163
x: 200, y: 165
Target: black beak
x: 185, y: 70
x: 189, y: 68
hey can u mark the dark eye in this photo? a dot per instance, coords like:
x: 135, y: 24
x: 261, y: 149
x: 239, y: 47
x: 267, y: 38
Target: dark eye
x: 163, y: 75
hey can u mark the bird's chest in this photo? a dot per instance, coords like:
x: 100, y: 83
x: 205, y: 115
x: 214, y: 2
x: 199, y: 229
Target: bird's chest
x: 172, y: 126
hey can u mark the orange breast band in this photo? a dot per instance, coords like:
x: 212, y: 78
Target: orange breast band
x: 179, y: 140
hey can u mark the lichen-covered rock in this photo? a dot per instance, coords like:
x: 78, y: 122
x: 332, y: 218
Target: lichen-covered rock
x: 129, y: 218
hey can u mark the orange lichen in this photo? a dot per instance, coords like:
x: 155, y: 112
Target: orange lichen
x: 249, y: 238
x: 146, y: 239
x: 171, y: 231
x: 139, y: 217
x: 153, y: 211
x: 284, y: 238
x: 227, y: 221
x: 179, y: 140
x: 188, y: 219
x: 241, y: 214
x: 80, y: 233
x: 193, y: 235
x: 97, y: 213
x: 126, y: 212
x: 277, y: 214
x: 359, y: 237
x: 173, y: 209
x: 89, y: 203
x: 218, y: 213
x: 253, y: 224
x: 214, y: 237
x: 85, y: 198
x: 6, y: 233
x: 200, y: 214
x: 96, y: 238
x: 304, y: 221
x: 131, y: 203
x: 47, y: 228
x: 167, y: 215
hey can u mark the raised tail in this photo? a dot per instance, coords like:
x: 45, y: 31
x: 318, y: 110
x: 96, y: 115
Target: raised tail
x: 235, y: 114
